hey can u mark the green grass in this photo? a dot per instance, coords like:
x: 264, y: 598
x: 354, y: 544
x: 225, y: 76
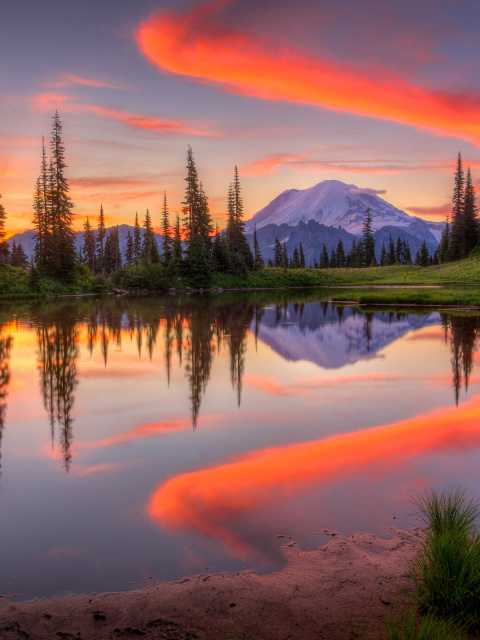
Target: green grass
x: 405, y: 627
x: 442, y: 296
x: 446, y: 569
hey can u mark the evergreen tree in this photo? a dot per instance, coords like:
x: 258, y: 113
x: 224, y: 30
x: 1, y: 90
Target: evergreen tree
x: 399, y: 251
x: 137, y: 242
x: 149, y: 252
x: 408, y: 254
x: 457, y: 240
x: 100, y: 242
x: 61, y: 209
x: 324, y: 261
x: 284, y: 257
x: 368, y: 241
x: 470, y: 211
x: 302, y: 257
x: 88, y: 250
x: 340, y: 253
x: 166, y: 242
x: 4, y: 251
x: 383, y: 256
x: 444, y: 246
x: 391, y: 251
x: 129, y: 259
x: 295, y: 264
x: 242, y: 258
x: 423, y: 256
x: 278, y: 255
x: 18, y: 256
x: 177, y: 252
x: 257, y: 256
x: 112, y: 257
x: 333, y: 259
x: 42, y: 216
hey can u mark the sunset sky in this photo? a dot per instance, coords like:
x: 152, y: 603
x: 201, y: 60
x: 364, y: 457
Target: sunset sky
x: 376, y: 93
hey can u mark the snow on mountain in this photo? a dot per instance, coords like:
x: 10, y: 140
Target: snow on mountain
x: 316, y: 335
x: 336, y: 204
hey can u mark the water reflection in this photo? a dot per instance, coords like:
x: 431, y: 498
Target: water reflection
x: 6, y: 343
x: 57, y: 356
x: 197, y: 329
x: 306, y: 415
x: 462, y: 330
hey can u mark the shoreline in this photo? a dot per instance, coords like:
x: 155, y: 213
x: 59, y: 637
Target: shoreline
x: 317, y: 595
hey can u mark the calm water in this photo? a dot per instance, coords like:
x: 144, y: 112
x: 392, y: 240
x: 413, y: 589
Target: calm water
x: 143, y: 439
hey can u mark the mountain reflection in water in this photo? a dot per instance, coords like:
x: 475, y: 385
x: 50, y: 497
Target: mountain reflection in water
x: 196, y: 428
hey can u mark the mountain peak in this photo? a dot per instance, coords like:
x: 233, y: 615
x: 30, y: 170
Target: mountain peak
x: 332, y: 203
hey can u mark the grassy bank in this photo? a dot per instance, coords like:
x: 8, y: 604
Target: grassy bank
x: 455, y: 297
x: 17, y: 282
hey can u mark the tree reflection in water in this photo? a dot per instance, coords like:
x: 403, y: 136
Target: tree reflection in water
x: 196, y: 329
x: 57, y: 354
x: 6, y: 343
x: 462, y: 330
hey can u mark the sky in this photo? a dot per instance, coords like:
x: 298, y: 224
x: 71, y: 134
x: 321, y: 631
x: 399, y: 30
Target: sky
x: 375, y: 93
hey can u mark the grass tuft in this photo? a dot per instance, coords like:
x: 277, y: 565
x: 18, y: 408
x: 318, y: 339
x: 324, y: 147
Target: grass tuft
x: 446, y: 569
x: 405, y: 627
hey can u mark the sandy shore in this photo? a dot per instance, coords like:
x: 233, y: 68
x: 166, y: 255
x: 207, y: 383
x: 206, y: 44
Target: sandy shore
x: 314, y: 596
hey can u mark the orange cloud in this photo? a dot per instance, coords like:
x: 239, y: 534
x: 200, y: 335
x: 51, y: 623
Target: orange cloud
x: 69, y: 80
x: 435, y: 212
x: 274, y: 388
x: 195, y: 46
x: 50, y: 101
x: 304, y: 162
x: 211, y: 500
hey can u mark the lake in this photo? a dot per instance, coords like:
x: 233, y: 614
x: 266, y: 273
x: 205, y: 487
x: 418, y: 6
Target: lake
x: 146, y: 438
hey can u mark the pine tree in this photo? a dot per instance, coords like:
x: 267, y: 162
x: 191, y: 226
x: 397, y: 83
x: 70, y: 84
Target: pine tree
x: 129, y: 250
x: 470, y: 212
x: 177, y: 252
x: 383, y: 256
x: 62, y: 205
x: 18, y: 257
x: 278, y: 255
x: 422, y: 258
x: 398, y: 251
x: 368, y: 241
x: 112, y: 257
x: 137, y: 242
x: 340, y: 253
x: 42, y: 215
x: 391, y: 251
x: 408, y: 254
x: 285, y: 256
x: 242, y: 258
x: 324, y: 261
x: 457, y: 240
x: 333, y: 259
x: 88, y: 250
x: 100, y: 242
x: 4, y: 251
x: 302, y: 257
x: 166, y: 242
x: 295, y: 258
x: 257, y: 256
x: 444, y: 246
x: 149, y: 252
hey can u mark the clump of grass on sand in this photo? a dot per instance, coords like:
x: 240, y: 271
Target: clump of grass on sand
x: 405, y: 627
x: 446, y: 569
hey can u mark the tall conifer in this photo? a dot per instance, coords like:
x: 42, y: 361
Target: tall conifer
x: 470, y: 212
x: 4, y: 251
x: 457, y: 240
x: 167, y: 241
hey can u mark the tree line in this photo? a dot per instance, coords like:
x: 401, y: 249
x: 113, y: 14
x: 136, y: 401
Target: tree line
x: 462, y: 232
x: 191, y: 247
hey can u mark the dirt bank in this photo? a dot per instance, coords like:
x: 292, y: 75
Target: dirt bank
x: 314, y: 596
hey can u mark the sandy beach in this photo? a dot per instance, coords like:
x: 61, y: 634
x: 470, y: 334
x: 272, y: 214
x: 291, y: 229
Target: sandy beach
x: 315, y: 596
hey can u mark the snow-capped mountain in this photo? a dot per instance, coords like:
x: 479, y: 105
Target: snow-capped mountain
x: 336, y: 204
x: 316, y: 334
